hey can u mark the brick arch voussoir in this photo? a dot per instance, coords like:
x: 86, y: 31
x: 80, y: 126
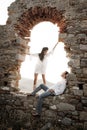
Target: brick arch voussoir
x: 35, y: 15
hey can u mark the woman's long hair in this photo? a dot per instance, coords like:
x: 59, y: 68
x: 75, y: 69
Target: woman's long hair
x: 41, y: 55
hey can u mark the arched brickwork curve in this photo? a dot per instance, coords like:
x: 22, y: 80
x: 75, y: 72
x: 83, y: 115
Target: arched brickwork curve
x: 34, y: 15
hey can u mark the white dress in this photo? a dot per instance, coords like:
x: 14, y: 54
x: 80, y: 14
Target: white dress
x: 40, y: 67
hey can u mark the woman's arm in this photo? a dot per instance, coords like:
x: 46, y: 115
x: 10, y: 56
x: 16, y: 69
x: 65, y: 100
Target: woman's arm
x: 34, y: 55
x: 51, y: 52
x: 55, y: 46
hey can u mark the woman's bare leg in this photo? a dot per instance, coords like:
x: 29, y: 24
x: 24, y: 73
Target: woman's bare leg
x: 35, y: 80
x: 44, y: 80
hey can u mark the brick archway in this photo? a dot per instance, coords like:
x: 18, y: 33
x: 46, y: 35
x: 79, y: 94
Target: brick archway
x: 34, y: 15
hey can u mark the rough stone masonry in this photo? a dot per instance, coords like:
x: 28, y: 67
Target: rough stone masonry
x: 67, y: 111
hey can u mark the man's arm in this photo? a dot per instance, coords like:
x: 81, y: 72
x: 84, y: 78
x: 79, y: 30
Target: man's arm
x: 51, y: 90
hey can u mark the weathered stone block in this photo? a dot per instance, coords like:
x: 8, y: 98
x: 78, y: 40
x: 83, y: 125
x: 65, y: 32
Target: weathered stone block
x: 83, y: 116
x: 65, y: 107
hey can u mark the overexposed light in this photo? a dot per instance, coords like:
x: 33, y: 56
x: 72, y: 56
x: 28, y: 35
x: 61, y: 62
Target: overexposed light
x: 4, y: 4
x: 46, y: 34
x: 58, y: 63
x: 43, y: 34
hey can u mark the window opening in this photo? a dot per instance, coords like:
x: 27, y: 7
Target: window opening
x: 5, y: 83
x: 80, y: 85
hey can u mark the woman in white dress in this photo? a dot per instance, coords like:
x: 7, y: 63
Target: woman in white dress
x: 41, y: 64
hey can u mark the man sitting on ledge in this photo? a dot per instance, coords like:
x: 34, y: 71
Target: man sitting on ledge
x: 56, y: 89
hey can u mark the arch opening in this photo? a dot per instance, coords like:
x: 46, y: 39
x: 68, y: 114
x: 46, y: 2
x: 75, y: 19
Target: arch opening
x: 44, y: 34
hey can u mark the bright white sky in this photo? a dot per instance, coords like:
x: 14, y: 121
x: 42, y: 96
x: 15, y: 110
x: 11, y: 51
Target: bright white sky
x: 44, y: 34
x: 3, y: 10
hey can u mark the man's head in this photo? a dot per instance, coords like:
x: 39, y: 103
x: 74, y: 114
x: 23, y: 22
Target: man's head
x: 64, y: 74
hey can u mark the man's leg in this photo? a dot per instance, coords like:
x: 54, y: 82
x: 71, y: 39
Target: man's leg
x: 41, y: 86
x: 40, y: 101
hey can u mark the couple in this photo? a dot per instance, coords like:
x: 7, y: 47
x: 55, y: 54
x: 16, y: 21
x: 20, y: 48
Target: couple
x: 56, y: 89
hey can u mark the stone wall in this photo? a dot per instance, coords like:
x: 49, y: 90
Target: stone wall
x: 71, y: 17
x: 59, y: 112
